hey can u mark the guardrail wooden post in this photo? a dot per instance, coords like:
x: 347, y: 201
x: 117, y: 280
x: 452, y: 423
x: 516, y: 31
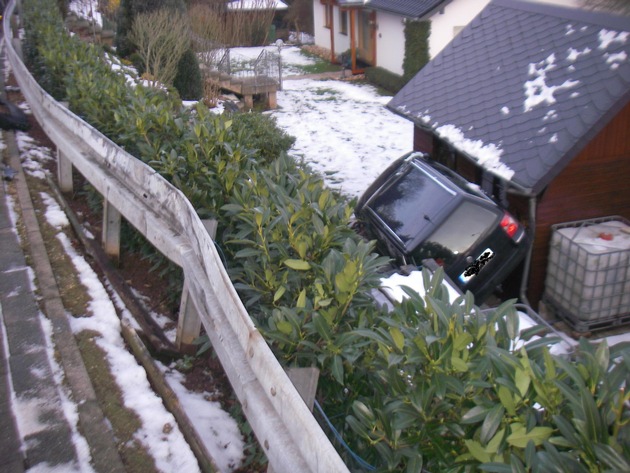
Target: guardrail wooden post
x: 64, y: 172
x: 305, y: 382
x: 111, y: 230
x: 189, y: 321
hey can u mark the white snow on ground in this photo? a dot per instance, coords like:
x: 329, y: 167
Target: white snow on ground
x: 159, y: 433
x: 342, y: 130
x: 219, y: 431
x: 86, y: 9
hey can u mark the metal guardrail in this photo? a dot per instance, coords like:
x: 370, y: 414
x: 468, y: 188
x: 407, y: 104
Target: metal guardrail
x: 284, y: 426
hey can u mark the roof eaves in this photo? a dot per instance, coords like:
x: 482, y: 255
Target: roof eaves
x: 423, y: 14
x: 425, y: 124
x: 603, y: 19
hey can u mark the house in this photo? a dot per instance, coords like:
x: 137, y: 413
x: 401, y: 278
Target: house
x: 532, y: 102
x: 373, y: 31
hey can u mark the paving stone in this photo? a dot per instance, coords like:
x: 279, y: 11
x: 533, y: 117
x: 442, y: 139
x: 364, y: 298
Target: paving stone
x: 53, y: 446
x: 12, y: 465
x: 25, y: 336
x: 10, y: 455
x: 31, y: 373
x: 11, y: 255
x: 14, y: 282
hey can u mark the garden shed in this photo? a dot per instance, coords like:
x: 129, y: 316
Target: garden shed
x: 532, y: 102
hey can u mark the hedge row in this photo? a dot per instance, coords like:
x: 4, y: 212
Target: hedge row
x: 431, y: 385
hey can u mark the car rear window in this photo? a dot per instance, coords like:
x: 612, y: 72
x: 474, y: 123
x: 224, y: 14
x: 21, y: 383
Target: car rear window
x: 464, y: 226
x: 411, y: 202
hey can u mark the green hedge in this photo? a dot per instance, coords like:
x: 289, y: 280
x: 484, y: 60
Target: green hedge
x: 381, y: 77
x: 430, y: 385
x: 416, y: 47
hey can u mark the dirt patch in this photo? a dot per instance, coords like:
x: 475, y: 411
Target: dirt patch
x: 123, y: 421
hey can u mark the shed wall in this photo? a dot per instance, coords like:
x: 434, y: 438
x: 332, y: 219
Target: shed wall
x: 595, y: 184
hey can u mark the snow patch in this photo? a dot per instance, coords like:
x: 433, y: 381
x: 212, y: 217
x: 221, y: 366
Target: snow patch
x: 537, y: 90
x: 54, y: 215
x: 487, y: 155
x: 343, y: 130
x: 573, y: 54
x: 170, y: 450
x: 615, y: 59
x: 607, y: 37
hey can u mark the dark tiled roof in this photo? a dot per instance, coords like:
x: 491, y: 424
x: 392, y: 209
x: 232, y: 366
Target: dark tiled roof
x: 408, y: 8
x: 524, y: 87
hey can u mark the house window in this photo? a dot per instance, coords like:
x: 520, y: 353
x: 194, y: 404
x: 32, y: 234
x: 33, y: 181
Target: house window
x: 343, y: 22
x: 328, y: 12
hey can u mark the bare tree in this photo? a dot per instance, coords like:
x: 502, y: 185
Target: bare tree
x: 242, y: 23
x: 162, y: 37
x: 300, y: 16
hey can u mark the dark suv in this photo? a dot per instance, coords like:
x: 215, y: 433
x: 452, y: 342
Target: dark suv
x: 418, y: 209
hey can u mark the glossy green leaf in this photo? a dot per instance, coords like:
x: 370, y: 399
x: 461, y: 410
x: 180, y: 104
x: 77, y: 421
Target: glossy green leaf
x: 337, y: 369
x: 297, y: 264
x: 301, y: 302
x: 459, y: 365
x: 279, y: 293
x: 476, y: 414
x: 520, y: 437
x: 284, y: 327
x: 522, y: 381
x: 491, y: 424
x: 397, y: 337
x: 507, y: 399
x: 477, y: 451
x: 607, y: 455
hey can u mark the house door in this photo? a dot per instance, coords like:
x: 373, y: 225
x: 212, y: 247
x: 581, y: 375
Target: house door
x: 366, y: 51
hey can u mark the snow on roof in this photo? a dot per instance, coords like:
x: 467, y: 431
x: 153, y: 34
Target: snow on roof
x: 489, y: 155
x: 523, y: 88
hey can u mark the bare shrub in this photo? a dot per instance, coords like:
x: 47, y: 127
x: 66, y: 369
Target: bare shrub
x: 211, y: 92
x: 244, y: 24
x: 162, y: 37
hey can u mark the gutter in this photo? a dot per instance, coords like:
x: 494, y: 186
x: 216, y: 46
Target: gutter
x: 533, y: 202
x: 426, y: 14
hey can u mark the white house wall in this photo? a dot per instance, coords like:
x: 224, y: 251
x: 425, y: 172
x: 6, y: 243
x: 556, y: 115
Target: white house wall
x: 450, y: 20
x: 390, y: 37
x: 322, y: 34
x: 390, y: 42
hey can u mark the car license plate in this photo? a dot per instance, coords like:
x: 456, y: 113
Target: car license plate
x: 474, y: 268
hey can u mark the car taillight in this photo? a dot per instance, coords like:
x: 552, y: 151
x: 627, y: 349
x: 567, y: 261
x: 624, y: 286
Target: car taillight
x: 509, y: 225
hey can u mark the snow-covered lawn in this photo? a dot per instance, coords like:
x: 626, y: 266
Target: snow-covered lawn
x: 342, y: 130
